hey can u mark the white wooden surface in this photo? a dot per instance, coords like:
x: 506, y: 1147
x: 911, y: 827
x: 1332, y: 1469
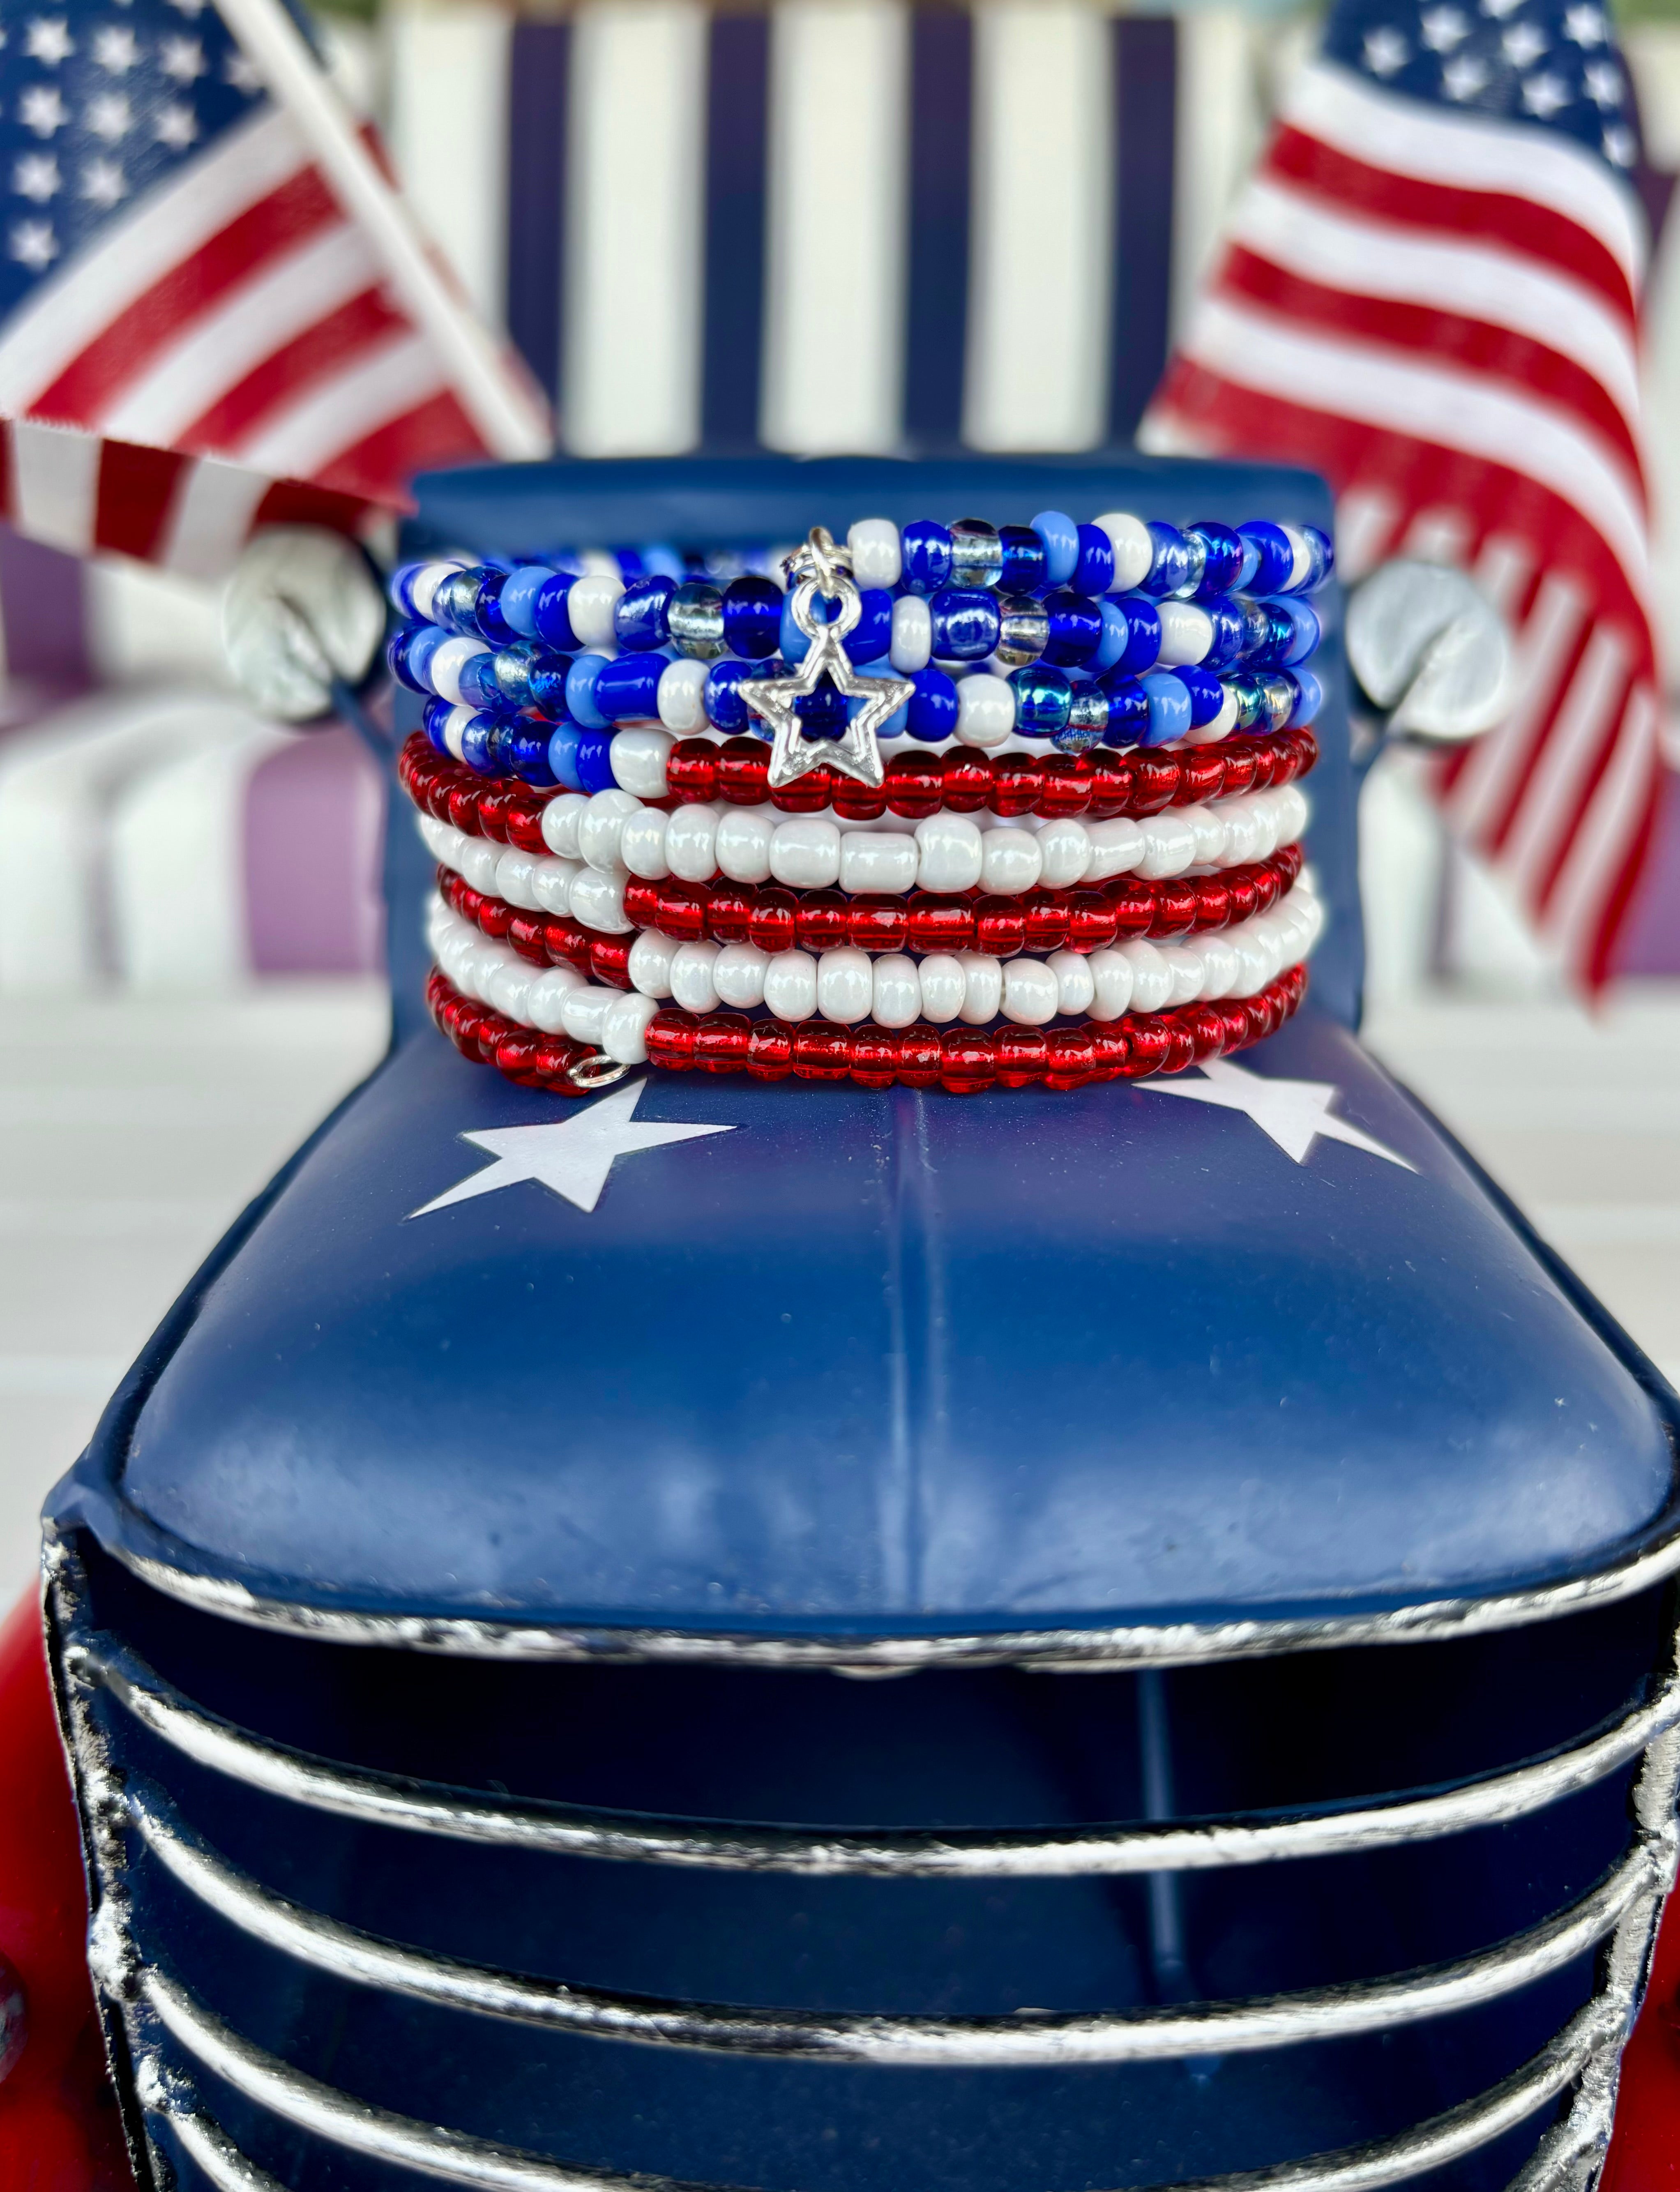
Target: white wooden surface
x: 132, y: 1132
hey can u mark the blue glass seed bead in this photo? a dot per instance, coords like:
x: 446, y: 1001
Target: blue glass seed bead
x: 629, y: 561
x: 1128, y: 709
x: 898, y: 723
x: 580, y: 691
x: 1309, y: 699
x: 1279, y: 690
x: 501, y: 747
x: 399, y: 660
x: 1191, y: 584
x: 509, y: 672
x: 554, y: 626
x: 424, y: 642
x: 931, y: 710
x: 873, y: 634
x: 454, y: 601
x: 1076, y: 628
x: 694, y: 617
x: 976, y: 553
x: 1207, y: 694
x: 1087, y: 718
x: 1276, y: 558
x: 1023, y: 628
x: 966, y: 625
x: 1305, y: 620
x: 1282, y: 639
x: 1094, y: 572
x: 751, y: 616
x: 1222, y: 553
x: 488, y: 620
x: 925, y: 547
x: 1059, y: 537
x: 641, y: 615
x: 594, y: 762
x: 661, y: 560
x: 475, y: 747
x: 526, y: 750
x: 725, y: 709
x: 562, y: 755
x: 478, y: 686
x: 1131, y: 634
x: 1259, y: 632
x: 1171, y: 568
x: 627, y: 687
x: 823, y: 714
x: 546, y: 684
x: 435, y: 716
x: 397, y: 585
x: 1168, y: 708
x: 1225, y: 612
x: 1249, y: 695
x: 1323, y: 557
x: 1043, y: 696
x: 1025, y: 563
x: 518, y: 598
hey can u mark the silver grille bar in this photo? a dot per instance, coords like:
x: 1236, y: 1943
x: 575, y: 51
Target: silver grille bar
x: 460, y: 2160
x: 430, y: 1808
x: 1028, y: 2037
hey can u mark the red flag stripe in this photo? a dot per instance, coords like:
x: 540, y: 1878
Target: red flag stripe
x: 311, y: 358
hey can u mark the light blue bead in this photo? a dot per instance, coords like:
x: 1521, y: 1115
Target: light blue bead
x: 580, y: 681
x: 897, y: 725
x: 1117, y: 634
x: 519, y: 597
x: 1168, y: 708
x: 1311, y: 700
x: 659, y: 562
x: 1060, y: 537
x: 1245, y: 577
x: 422, y: 646
x: 563, y: 756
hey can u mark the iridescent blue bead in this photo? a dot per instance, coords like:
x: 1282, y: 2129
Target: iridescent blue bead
x: 1131, y: 634
x: 553, y: 625
x: 526, y: 752
x: 751, y: 616
x: 1309, y: 699
x: 478, y: 685
x: 1168, y: 708
x: 1207, y: 694
x: 562, y: 755
x: 1076, y: 628
x: 925, y: 547
x: 580, y: 691
x: 518, y: 598
x: 546, y: 682
x: 695, y: 620
x: 435, y: 716
x: 1059, y: 537
x: 724, y: 708
x: 1222, y: 555
x: 476, y: 744
x: 1094, y: 572
x: 1043, y: 696
x: 1025, y: 563
x: 1225, y: 614
x: 454, y: 602
x: 1250, y: 694
x: 1023, y: 628
x: 1128, y: 709
x: 1086, y: 722
x: 399, y: 650
x: 1263, y: 630
x: 594, y: 762
x: 966, y: 625
x: 823, y: 714
x: 1278, y: 689
x: 1191, y: 581
x: 932, y: 710
x: 1171, y: 568
x: 501, y: 747
x: 1275, y: 561
x: 487, y: 620
x: 1323, y: 557
x: 627, y: 689
x: 641, y: 614
x: 976, y: 553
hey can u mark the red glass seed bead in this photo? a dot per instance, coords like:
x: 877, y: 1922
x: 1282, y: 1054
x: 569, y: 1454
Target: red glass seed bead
x: 551, y: 1063
x: 769, y: 1053
x: 1133, y: 900
x: 722, y: 1041
x: 820, y: 923
x: 1236, y: 1017
x: 1000, y: 927
x: 1148, y: 1045
x: 641, y: 902
x: 1175, y: 902
x: 671, y: 1040
x: 966, y: 1060
x: 524, y: 822
x: 492, y: 1027
x: 915, y: 786
x: 968, y: 780
x: 772, y: 922
x: 1111, y: 1051
x: 1112, y: 784
x: 1290, y: 860
x: 1070, y: 1057
x: 566, y: 944
x: 438, y: 800
x: 1268, y: 885
x: 921, y: 1055
x: 821, y: 1052
x: 875, y: 1056
x: 682, y: 910
x: 1206, y: 1024
x: 463, y: 806
x: 940, y: 924
x: 1063, y: 785
x: 1295, y: 983
x: 742, y: 772
x: 691, y: 769
x: 1213, y: 902
x: 524, y: 934
x: 1015, y: 783
x: 495, y: 917
x: 1239, y: 767
x: 1180, y: 1045
x: 610, y: 961
x: 1306, y: 746
x: 1202, y: 774
x: 1092, y: 925
x: 515, y: 1055
x: 1155, y: 782
x: 858, y: 803
x: 1046, y: 925
x: 1021, y: 1055
x: 878, y: 924
x: 1265, y: 764
x: 1244, y: 896
x: 809, y: 794
x: 493, y: 805
x: 729, y: 911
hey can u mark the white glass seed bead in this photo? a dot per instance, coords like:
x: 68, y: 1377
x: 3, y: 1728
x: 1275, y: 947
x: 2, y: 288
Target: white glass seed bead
x: 912, y: 641
x: 551, y: 884
x: 623, y: 1030
x: 805, y: 853
x: 597, y: 901
x: 738, y: 973
x: 681, y: 700
x: 642, y: 844
x: 1133, y: 549
x: 1010, y: 861
x: 691, y: 843
x: 1169, y: 846
x: 948, y: 853
x: 1064, y: 850
x: 1030, y: 992
x: 1253, y: 962
x: 514, y: 871
x: 1076, y: 986
x: 743, y: 844
x: 691, y: 982
x: 878, y: 860
x: 479, y: 857
x: 1302, y: 549
x: 1184, y: 963
x: 560, y: 821
x: 585, y: 1011
x: 436, y: 836
x: 791, y: 985
x: 509, y: 986
x: 589, y: 606
x: 1112, y: 983
x: 1115, y: 848
x: 448, y: 664
x: 600, y: 828
x: 1244, y: 823
x: 878, y: 559
x: 985, y: 710
x: 423, y: 587
x: 1187, y: 633
x: 896, y: 999
x: 1207, y: 826
x: 454, y: 724
x: 639, y: 756
x: 944, y: 987
x: 1151, y: 977
x: 982, y: 987
x: 845, y: 985
x: 649, y: 967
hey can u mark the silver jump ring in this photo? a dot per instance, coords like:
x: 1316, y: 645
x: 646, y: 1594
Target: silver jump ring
x: 597, y: 1070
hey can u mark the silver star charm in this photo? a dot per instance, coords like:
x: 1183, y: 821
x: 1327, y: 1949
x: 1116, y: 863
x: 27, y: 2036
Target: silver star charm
x: 1293, y: 1114
x: 820, y: 567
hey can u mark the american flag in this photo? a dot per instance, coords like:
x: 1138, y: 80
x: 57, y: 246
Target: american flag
x: 1430, y: 293
x: 195, y: 336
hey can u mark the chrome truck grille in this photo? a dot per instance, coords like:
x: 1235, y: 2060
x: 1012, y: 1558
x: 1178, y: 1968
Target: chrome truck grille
x: 391, y: 1905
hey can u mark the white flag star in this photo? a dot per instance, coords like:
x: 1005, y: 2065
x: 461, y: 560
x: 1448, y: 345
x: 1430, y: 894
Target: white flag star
x: 1294, y: 1114
x: 571, y: 1156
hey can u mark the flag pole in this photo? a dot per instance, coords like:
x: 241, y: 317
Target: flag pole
x: 511, y: 423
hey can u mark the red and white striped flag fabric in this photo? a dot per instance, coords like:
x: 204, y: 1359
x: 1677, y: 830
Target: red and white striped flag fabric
x: 1430, y: 293
x: 200, y: 329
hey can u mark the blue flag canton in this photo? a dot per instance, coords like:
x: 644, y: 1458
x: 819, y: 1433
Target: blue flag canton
x: 98, y: 104
x: 1551, y: 63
